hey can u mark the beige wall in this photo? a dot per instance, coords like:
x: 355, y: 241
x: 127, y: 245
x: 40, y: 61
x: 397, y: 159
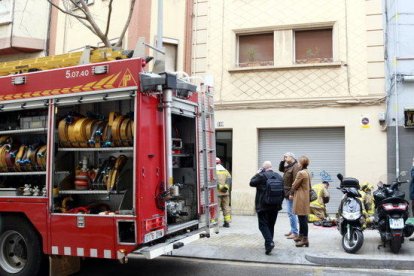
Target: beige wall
x: 24, y: 28
x: 365, y: 148
x: 174, y: 25
x: 314, y: 95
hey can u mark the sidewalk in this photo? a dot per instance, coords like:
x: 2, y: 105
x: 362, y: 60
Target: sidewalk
x: 243, y: 242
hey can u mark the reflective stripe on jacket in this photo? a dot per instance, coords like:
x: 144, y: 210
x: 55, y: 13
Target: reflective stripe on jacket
x: 223, y: 180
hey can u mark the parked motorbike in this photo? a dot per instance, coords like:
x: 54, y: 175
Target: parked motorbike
x: 391, y: 214
x: 350, y: 215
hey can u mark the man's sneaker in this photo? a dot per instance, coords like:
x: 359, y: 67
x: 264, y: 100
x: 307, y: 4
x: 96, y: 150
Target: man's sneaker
x: 292, y: 236
x: 270, y: 248
x: 226, y: 224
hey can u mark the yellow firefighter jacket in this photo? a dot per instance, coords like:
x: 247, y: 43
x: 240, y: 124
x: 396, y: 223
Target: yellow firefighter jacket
x: 223, y: 180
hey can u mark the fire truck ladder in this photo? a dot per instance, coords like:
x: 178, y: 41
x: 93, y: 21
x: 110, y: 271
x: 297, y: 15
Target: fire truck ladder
x: 88, y: 55
x: 208, y: 151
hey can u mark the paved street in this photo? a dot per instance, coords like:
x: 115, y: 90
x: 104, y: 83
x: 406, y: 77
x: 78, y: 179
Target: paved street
x: 185, y: 266
x: 243, y: 242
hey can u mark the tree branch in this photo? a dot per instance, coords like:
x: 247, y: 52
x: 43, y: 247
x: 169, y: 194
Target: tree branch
x: 95, y: 26
x: 108, y: 21
x: 65, y: 11
x: 121, y: 37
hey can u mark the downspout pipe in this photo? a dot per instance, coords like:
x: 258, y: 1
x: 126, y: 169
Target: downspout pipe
x: 397, y: 106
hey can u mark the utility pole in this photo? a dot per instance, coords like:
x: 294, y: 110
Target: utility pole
x: 159, y: 63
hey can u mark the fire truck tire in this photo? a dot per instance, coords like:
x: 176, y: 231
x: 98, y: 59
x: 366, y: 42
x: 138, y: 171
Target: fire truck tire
x: 20, y: 248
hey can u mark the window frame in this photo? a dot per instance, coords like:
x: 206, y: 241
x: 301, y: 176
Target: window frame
x: 172, y: 41
x: 294, y: 30
x: 237, y: 58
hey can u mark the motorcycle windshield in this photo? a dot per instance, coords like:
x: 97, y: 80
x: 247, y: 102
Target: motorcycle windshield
x: 351, y: 205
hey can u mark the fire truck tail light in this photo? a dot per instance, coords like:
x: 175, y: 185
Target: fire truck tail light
x: 101, y: 69
x: 154, y: 223
x: 19, y: 80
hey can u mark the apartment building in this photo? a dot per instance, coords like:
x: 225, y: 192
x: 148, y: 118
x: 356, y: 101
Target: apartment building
x: 68, y: 34
x: 23, y: 29
x: 300, y: 76
x: 399, y: 33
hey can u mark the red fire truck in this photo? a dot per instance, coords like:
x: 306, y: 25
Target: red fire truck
x: 101, y: 160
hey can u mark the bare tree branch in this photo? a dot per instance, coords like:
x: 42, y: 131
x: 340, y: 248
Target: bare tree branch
x: 88, y: 20
x: 66, y: 11
x: 121, y: 37
x: 95, y: 26
x: 108, y: 21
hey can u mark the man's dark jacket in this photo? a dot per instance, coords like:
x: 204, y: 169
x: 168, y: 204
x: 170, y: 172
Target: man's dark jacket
x: 259, y: 181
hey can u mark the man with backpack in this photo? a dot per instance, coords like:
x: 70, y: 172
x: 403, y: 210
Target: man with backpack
x: 268, y: 202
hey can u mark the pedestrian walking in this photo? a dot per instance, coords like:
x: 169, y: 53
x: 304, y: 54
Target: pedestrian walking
x: 300, y: 196
x: 290, y: 167
x: 224, y: 189
x: 268, y: 201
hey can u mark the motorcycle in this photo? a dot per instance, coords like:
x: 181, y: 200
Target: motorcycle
x: 350, y: 215
x: 391, y: 213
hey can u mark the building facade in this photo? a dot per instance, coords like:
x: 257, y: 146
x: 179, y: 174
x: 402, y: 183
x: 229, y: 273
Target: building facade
x: 299, y: 76
x: 35, y: 28
x: 23, y: 29
x: 399, y: 19
x: 68, y: 34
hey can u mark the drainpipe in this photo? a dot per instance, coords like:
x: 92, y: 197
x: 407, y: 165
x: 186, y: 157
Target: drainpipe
x: 397, y: 108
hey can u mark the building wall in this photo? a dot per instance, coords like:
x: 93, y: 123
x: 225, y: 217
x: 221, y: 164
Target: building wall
x: 399, y: 63
x: 23, y: 27
x: 295, y: 95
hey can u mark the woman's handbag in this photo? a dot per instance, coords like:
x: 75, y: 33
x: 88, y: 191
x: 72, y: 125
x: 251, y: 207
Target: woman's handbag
x: 312, y: 194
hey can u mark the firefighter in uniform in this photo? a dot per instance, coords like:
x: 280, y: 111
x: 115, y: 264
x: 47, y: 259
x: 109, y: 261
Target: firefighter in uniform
x: 317, y: 207
x: 224, y: 189
x: 368, y: 201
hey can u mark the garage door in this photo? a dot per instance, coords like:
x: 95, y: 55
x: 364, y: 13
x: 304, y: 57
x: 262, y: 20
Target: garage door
x: 325, y: 148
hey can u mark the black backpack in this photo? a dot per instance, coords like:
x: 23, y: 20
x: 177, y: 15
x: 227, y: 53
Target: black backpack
x: 274, y: 191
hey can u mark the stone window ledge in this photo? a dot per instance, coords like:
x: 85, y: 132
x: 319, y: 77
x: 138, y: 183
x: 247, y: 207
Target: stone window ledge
x: 286, y: 67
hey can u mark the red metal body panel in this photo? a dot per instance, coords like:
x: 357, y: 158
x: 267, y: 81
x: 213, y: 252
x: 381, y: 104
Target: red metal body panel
x: 35, y: 210
x: 149, y: 165
x: 77, y: 79
x: 98, y: 239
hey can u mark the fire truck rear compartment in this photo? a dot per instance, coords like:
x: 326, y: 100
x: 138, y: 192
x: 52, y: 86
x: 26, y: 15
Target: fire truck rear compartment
x: 182, y: 207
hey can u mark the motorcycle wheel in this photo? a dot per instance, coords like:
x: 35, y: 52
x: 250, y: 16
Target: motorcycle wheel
x: 395, y: 244
x: 353, y: 244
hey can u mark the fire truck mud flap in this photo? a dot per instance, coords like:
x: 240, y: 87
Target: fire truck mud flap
x: 151, y: 252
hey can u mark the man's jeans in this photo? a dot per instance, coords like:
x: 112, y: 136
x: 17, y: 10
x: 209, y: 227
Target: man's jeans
x: 292, y: 217
x: 267, y: 220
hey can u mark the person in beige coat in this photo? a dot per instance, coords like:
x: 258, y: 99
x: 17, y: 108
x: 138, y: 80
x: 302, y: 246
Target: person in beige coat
x: 300, y: 195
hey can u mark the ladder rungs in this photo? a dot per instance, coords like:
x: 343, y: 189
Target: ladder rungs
x: 208, y: 130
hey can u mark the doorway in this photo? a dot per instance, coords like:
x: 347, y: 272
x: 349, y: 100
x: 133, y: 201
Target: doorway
x: 224, y: 148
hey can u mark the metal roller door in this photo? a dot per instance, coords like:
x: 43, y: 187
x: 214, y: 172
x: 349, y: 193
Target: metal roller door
x: 325, y: 148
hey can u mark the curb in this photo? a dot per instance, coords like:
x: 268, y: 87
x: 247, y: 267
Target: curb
x: 240, y: 260
x: 360, y: 262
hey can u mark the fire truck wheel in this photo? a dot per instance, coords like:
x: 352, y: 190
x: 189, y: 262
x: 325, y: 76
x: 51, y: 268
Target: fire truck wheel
x: 20, y: 248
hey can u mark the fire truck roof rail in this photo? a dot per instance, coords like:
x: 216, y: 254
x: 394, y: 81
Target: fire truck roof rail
x: 89, y: 55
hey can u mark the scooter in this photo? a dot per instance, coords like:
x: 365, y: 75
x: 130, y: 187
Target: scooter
x: 391, y: 215
x: 350, y: 215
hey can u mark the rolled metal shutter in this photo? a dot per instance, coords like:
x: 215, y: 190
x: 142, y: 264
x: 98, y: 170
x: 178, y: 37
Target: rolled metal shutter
x: 325, y: 148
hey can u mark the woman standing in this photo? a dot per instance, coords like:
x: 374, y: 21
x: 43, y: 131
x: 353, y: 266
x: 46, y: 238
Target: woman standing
x: 300, y: 195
